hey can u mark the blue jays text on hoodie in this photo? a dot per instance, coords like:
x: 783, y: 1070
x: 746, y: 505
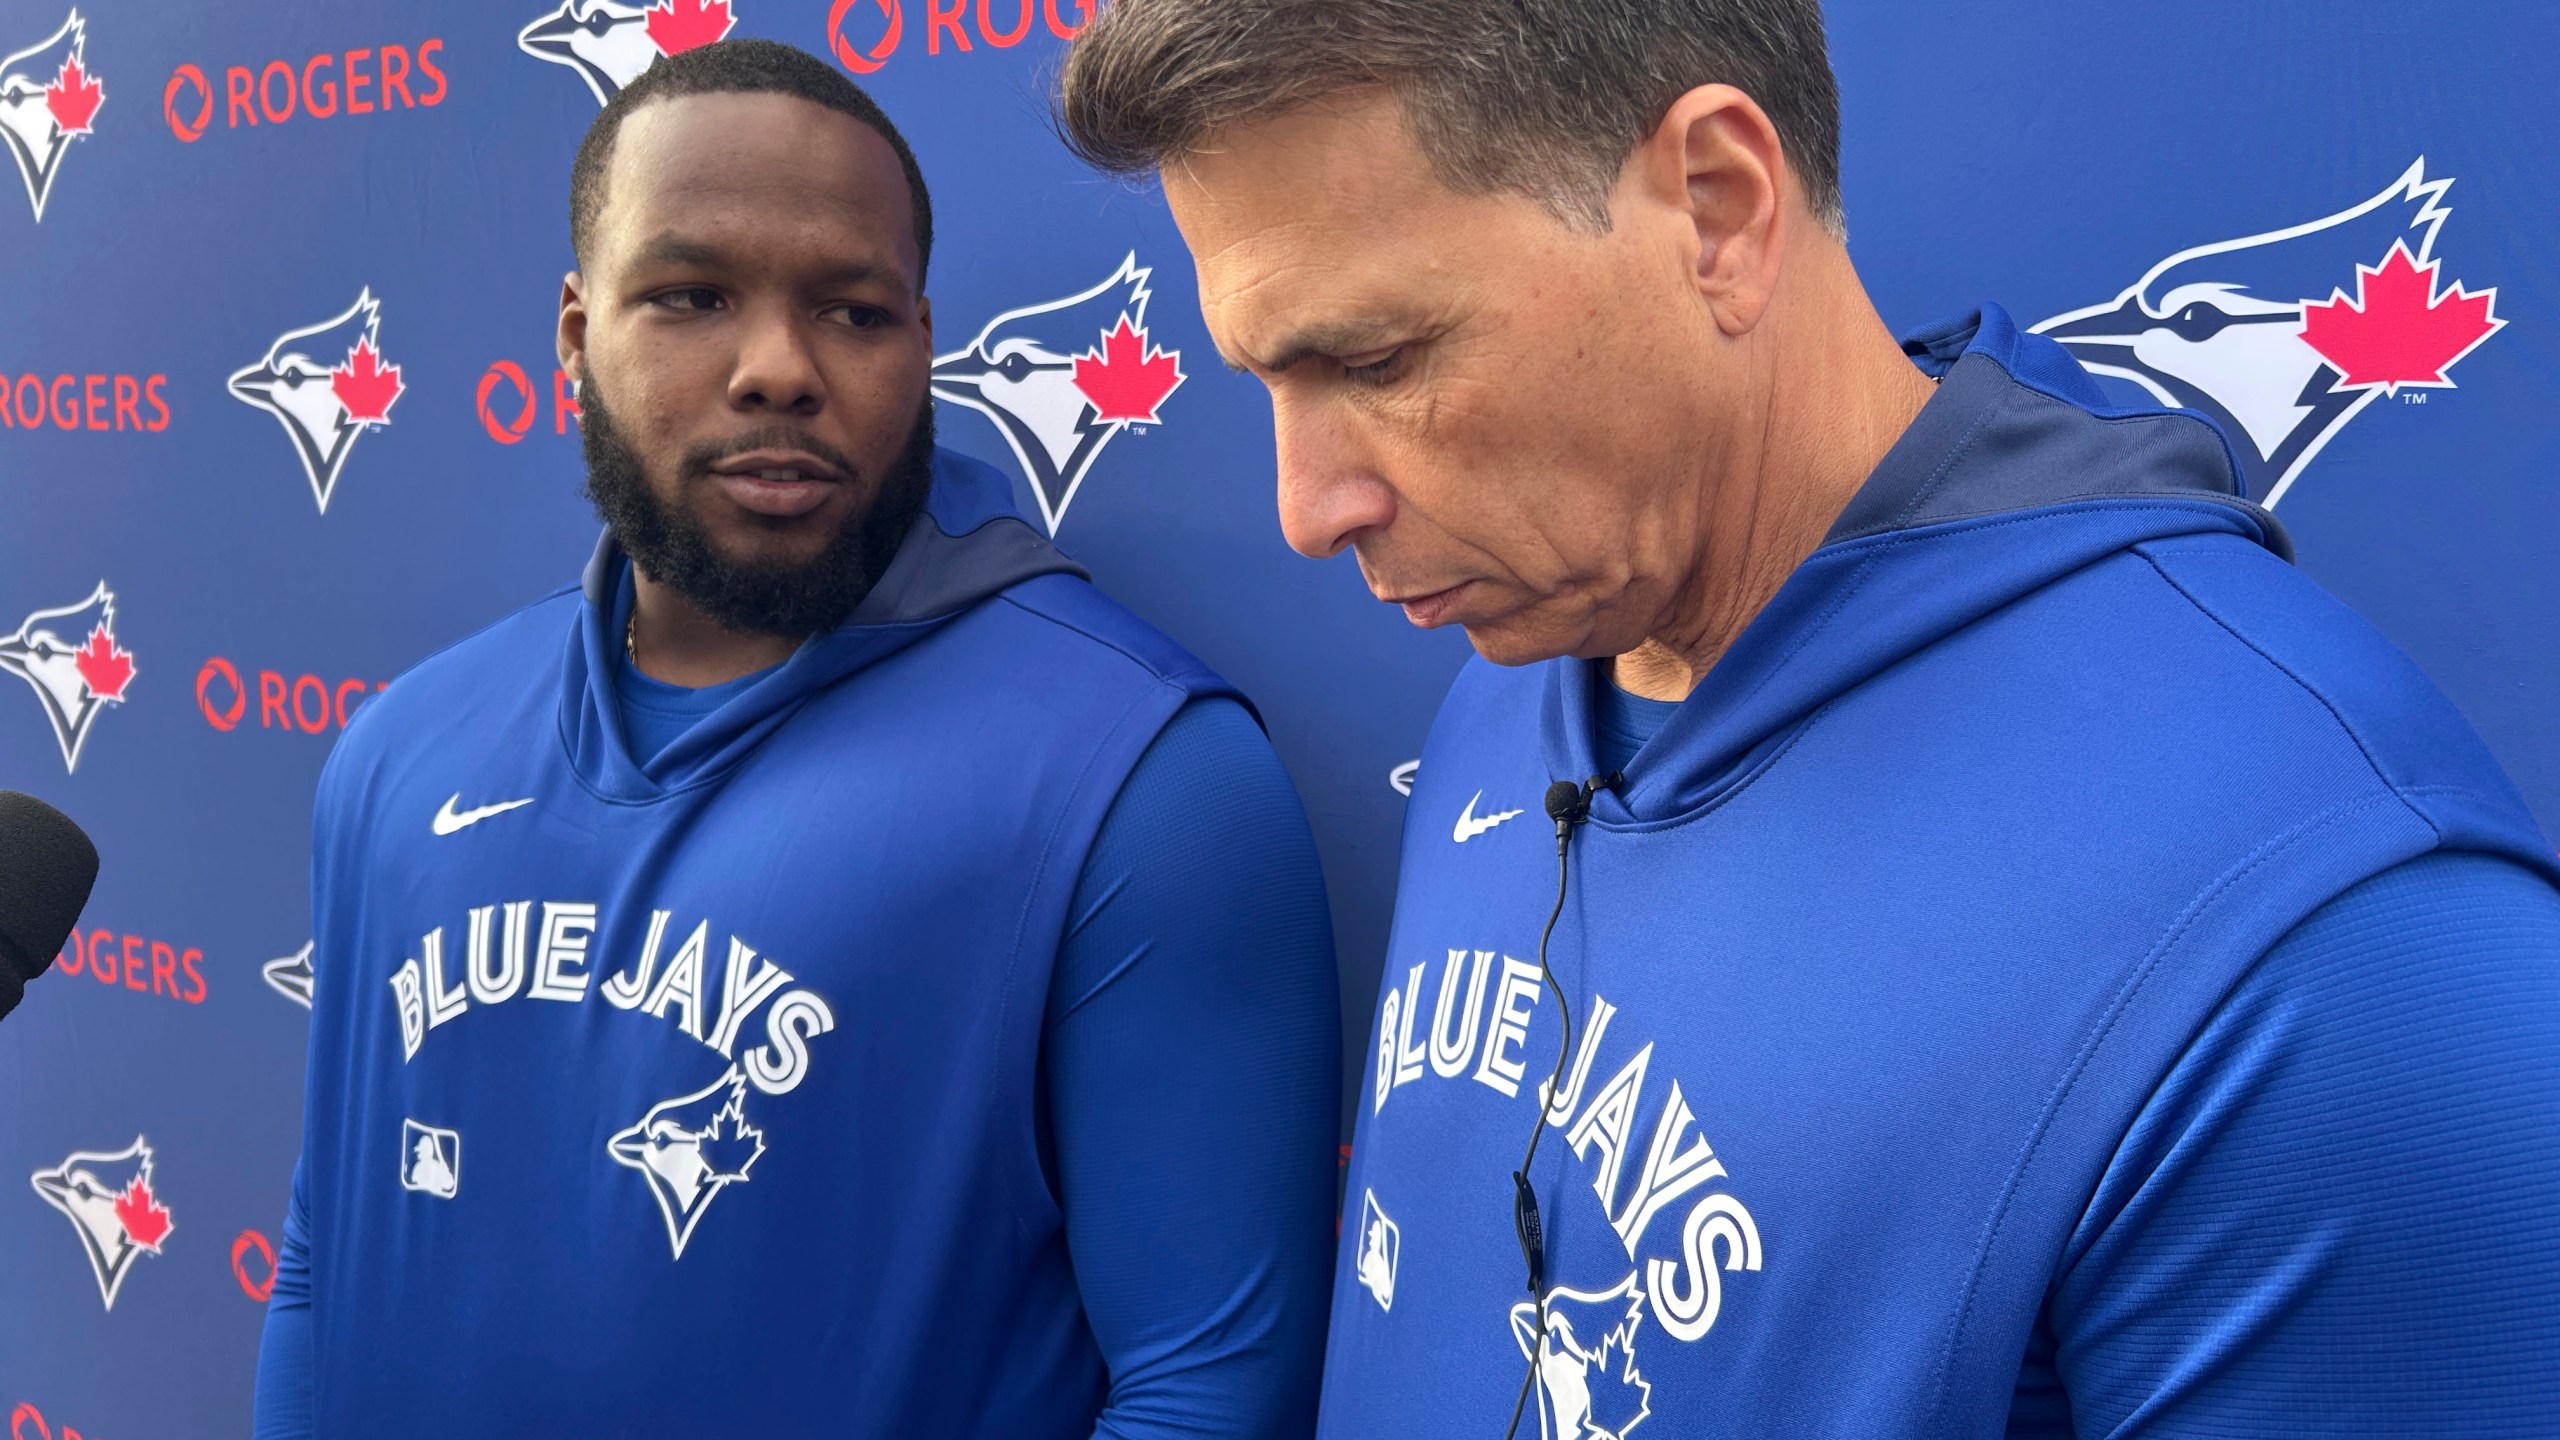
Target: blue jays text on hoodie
x: 700, y: 1094
x: 1879, y: 949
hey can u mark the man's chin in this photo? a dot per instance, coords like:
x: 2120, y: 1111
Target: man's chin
x: 1552, y: 629
x: 1503, y: 648
x: 1515, y: 639
x: 771, y: 552
x: 767, y: 542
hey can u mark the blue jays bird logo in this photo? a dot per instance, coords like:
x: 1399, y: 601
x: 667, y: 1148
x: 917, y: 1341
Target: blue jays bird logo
x: 107, y: 1196
x: 70, y: 658
x: 326, y: 385
x: 1061, y: 378
x: 2260, y: 333
x: 47, y: 100
x: 608, y: 43
x: 1588, y: 1384
x: 290, y: 975
x: 691, y: 1148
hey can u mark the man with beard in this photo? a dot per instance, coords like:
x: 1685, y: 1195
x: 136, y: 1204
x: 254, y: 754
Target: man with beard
x: 789, y: 983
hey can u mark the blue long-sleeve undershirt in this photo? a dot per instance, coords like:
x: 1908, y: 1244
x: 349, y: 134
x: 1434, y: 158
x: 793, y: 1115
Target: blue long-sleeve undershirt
x: 2338, y: 1214
x: 1193, y: 1020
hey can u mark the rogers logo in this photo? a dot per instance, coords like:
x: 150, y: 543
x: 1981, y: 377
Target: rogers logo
x: 243, y: 1245
x: 136, y: 963
x: 352, y: 82
x: 864, y: 35
x: 84, y: 402
x: 508, y: 403
x: 26, y: 1422
x: 301, y: 702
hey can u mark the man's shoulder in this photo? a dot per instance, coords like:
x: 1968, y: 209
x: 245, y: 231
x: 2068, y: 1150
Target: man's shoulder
x: 1070, y: 619
x: 2305, y: 645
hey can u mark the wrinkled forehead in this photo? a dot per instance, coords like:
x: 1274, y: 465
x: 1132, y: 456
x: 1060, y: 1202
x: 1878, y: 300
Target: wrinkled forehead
x: 765, y: 178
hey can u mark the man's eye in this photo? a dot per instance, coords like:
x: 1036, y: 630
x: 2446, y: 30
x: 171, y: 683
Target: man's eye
x: 1380, y: 369
x: 863, y: 317
x: 691, y: 297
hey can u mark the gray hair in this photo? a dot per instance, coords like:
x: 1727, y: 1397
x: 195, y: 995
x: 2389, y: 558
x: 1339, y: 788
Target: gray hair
x: 1545, y: 98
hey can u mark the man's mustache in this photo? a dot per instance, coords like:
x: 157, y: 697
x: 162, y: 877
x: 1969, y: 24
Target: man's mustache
x: 697, y: 460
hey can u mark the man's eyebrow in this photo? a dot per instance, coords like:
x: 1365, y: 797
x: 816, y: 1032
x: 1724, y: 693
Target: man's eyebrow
x: 669, y: 248
x: 858, y: 272
x: 1345, y: 337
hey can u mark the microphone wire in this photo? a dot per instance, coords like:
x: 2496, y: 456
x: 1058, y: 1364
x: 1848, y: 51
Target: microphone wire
x: 1568, y: 804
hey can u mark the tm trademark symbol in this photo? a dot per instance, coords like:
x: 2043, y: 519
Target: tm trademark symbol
x: 2413, y: 397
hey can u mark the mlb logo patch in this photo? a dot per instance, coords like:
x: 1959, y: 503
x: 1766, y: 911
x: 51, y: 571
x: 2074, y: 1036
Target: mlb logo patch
x: 430, y: 1159
x: 1381, y: 1246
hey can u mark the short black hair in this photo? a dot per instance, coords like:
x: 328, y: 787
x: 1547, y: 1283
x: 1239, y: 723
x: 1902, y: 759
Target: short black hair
x: 753, y: 67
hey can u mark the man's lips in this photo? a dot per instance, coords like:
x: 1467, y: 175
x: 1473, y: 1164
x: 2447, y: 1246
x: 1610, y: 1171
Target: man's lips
x: 782, y: 483
x: 1430, y: 608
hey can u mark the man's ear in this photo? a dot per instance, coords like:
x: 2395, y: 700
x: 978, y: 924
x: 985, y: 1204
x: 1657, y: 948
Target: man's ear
x: 572, y: 339
x: 1716, y: 159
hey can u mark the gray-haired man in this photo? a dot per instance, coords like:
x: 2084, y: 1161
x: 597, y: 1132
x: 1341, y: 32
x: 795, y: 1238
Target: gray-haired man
x: 2024, y: 959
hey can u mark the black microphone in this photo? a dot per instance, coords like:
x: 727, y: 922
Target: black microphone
x: 1568, y: 803
x: 1565, y: 800
x: 46, y: 868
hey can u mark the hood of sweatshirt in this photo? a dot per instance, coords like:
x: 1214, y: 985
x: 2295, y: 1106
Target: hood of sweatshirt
x: 2015, y: 474
x: 967, y: 545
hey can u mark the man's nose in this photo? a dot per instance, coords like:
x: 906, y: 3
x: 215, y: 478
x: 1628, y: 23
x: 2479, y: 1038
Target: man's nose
x: 1330, y: 491
x: 776, y: 371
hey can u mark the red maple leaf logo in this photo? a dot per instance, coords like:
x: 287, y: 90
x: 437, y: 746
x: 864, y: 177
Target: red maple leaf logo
x: 365, y: 385
x: 1126, y: 379
x: 73, y: 98
x: 679, y: 25
x: 2399, y: 330
x: 146, y: 1221
x: 105, y: 667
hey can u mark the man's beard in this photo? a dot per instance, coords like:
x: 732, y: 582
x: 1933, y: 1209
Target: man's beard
x: 671, y: 546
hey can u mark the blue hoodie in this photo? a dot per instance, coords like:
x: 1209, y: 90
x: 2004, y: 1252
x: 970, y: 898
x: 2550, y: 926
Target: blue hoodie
x: 664, y: 1098
x: 1878, y: 949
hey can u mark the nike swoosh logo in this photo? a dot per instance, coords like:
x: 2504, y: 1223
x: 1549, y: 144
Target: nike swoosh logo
x: 449, y: 820
x: 1469, y: 826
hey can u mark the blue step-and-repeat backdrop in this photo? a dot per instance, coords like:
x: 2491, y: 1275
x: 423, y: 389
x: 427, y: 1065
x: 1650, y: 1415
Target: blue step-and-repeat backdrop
x: 279, y: 416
